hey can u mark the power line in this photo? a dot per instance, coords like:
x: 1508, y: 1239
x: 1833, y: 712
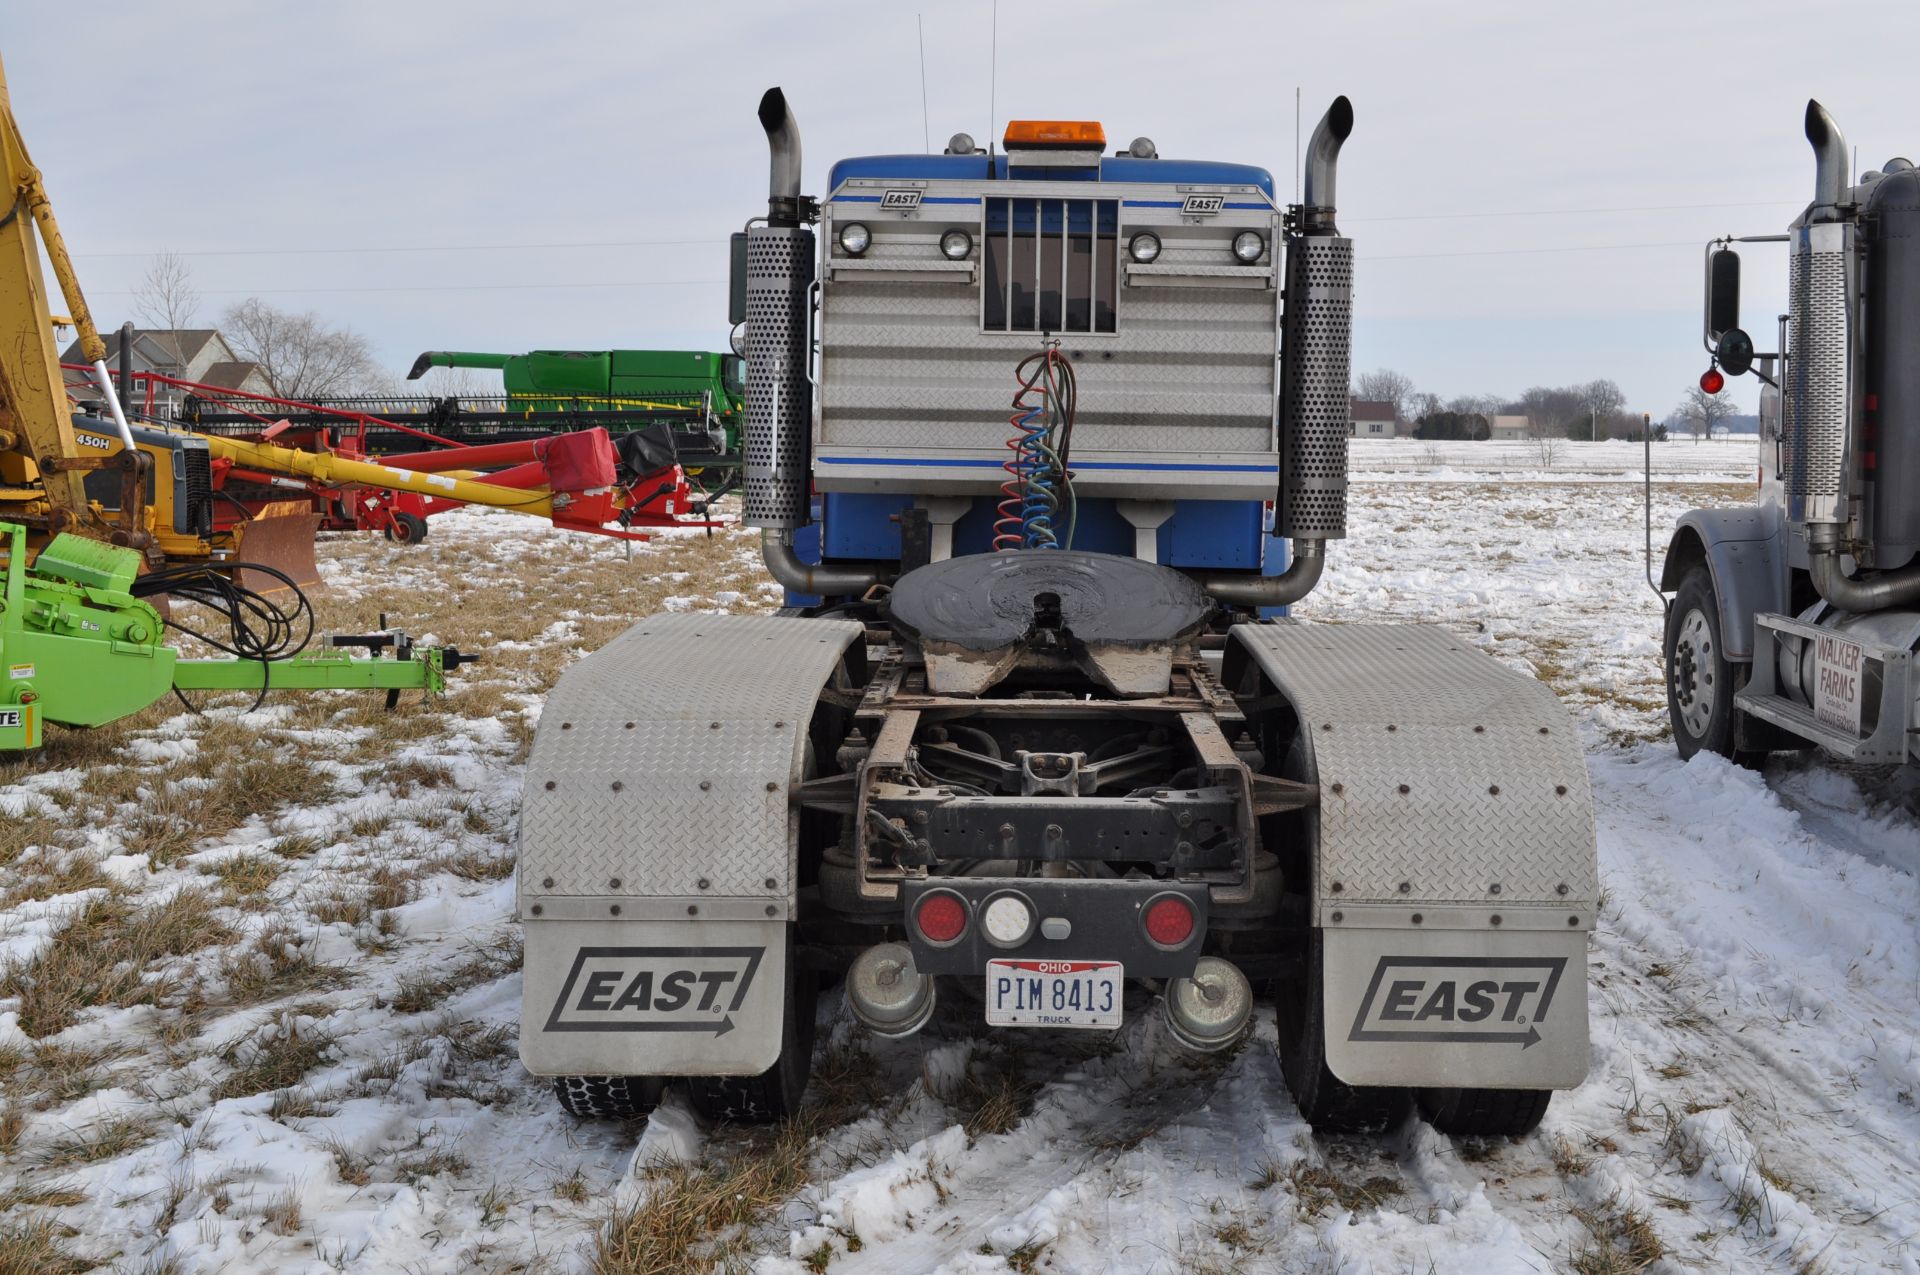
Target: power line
x: 427, y: 287
x: 1530, y: 252
x: 468, y: 247
x: 1575, y: 212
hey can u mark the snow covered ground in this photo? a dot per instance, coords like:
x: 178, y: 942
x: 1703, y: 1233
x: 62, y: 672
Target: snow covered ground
x: 261, y: 985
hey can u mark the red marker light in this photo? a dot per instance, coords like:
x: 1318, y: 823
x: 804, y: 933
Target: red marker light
x: 1711, y: 381
x: 942, y: 918
x: 1169, y: 920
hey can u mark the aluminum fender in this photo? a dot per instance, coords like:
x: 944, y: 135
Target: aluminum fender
x: 652, y: 998
x: 656, y: 805
x: 1744, y: 551
x: 1455, y: 824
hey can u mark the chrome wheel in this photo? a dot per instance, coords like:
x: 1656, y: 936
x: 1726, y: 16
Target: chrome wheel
x: 1691, y: 671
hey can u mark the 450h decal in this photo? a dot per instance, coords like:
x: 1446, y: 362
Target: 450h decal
x: 655, y: 989
x: 1475, y: 1000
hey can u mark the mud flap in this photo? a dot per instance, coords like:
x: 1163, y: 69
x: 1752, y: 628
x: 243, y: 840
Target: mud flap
x: 672, y: 998
x: 1467, y: 1008
x: 283, y: 541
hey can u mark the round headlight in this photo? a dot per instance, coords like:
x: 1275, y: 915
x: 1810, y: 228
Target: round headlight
x: 738, y: 339
x: 1248, y: 245
x: 1144, y: 247
x: 855, y: 237
x: 955, y: 245
x: 961, y: 144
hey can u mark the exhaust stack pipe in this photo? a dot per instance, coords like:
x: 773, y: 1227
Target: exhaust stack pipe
x: 1316, y: 359
x: 1323, y: 159
x: 783, y: 143
x: 1830, y: 158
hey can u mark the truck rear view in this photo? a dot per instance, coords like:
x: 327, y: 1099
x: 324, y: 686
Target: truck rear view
x: 1042, y: 445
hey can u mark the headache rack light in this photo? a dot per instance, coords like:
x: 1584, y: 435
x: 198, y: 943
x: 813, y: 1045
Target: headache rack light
x: 1071, y: 134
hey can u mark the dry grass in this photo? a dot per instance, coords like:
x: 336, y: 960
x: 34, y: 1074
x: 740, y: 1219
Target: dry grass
x: 277, y: 1063
x: 699, y: 1218
x: 1622, y: 1242
x: 279, y: 962
x: 32, y: 1246
x: 106, y: 956
x: 106, y: 1140
x: 43, y: 878
x: 31, y: 832
x: 1316, y: 1188
x: 245, y: 874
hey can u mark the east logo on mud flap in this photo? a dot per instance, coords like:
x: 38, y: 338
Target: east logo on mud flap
x: 1465, y: 999
x: 641, y: 989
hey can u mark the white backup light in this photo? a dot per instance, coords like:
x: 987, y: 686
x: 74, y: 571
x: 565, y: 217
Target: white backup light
x: 855, y: 237
x: 1007, y: 920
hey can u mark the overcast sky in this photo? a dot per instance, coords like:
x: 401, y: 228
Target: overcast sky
x: 1528, y: 186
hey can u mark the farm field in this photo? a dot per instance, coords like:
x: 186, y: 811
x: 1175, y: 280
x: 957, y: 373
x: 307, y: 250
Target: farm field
x: 260, y: 984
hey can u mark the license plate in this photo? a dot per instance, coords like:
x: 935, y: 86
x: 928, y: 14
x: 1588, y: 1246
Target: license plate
x: 1054, y: 993
x: 1836, y: 682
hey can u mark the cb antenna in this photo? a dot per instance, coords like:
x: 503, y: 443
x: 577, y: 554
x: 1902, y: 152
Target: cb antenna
x: 993, y: 76
x: 926, y: 132
x: 1296, y: 143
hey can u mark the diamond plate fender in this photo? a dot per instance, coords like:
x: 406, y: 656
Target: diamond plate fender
x: 1455, y: 829
x: 655, y: 821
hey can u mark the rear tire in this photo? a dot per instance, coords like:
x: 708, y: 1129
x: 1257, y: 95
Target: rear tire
x: 618, y: 1097
x: 775, y: 1094
x: 1326, y: 1102
x: 1701, y: 681
x: 1486, y: 1113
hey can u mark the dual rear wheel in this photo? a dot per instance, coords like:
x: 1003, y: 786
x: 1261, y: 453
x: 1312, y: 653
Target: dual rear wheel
x: 771, y: 1096
x: 1332, y: 1106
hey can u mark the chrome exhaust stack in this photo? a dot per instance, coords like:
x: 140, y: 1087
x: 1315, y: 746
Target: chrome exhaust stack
x: 886, y: 993
x: 780, y: 274
x: 1315, y: 366
x: 1830, y: 159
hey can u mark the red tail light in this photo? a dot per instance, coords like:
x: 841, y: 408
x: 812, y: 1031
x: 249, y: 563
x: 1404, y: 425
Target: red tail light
x: 1169, y: 920
x: 942, y: 917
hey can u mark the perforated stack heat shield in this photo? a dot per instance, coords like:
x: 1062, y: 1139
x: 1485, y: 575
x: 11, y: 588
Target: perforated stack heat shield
x: 1818, y: 393
x: 1314, y: 412
x: 780, y: 266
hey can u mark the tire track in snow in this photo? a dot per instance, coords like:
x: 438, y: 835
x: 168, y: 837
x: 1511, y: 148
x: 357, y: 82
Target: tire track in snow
x: 1753, y: 1021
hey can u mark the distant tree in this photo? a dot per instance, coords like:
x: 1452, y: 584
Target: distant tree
x: 1701, y: 411
x: 1604, y: 400
x: 1452, y: 425
x: 1478, y: 404
x: 166, y: 302
x: 1385, y: 385
x: 301, y: 354
x: 1660, y: 433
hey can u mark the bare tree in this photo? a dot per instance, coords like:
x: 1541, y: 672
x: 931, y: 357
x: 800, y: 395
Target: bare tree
x: 1604, y: 399
x: 1385, y: 386
x: 167, y: 302
x: 301, y: 355
x: 1702, y: 411
x: 1476, y: 404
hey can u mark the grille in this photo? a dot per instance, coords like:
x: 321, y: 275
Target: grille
x: 779, y: 399
x: 193, y: 500
x: 1052, y: 265
x: 1816, y: 424
x: 1314, y: 410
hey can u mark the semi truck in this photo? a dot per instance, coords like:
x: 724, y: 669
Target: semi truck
x: 1043, y: 444
x: 1795, y: 619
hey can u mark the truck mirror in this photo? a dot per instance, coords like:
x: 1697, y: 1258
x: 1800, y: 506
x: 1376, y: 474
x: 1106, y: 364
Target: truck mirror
x: 1723, y: 294
x: 737, y: 278
x: 1734, y: 352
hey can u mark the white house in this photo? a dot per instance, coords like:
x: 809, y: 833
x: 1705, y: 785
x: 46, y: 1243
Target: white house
x: 1509, y: 429
x: 1371, y: 418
